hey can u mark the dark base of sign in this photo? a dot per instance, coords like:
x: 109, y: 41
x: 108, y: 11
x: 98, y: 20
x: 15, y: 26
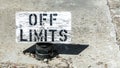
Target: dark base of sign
x: 44, y: 51
x: 49, y: 50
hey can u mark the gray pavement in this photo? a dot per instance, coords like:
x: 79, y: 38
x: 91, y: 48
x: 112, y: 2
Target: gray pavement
x: 91, y: 24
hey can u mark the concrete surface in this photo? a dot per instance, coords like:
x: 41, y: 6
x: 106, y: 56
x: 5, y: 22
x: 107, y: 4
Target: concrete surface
x: 91, y: 24
x: 115, y: 14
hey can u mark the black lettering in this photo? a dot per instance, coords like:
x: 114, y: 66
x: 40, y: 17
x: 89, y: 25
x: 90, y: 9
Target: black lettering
x: 63, y: 34
x: 38, y: 36
x: 21, y: 36
x: 45, y: 35
x: 53, y: 32
x: 52, y: 18
x: 42, y: 18
x: 30, y: 35
x: 30, y: 19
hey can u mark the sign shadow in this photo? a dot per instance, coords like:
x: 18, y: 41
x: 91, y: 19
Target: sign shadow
x: 61, y: 48
x: 73, y: 49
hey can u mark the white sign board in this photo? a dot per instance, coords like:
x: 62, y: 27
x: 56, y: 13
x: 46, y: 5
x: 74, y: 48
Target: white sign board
x: 43, y: 27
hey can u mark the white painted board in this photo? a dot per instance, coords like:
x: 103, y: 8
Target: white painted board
x: 43, y: 27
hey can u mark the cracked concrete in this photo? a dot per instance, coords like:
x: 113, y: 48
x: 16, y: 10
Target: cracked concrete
x: 92, y: 23
x: 115, y: 15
